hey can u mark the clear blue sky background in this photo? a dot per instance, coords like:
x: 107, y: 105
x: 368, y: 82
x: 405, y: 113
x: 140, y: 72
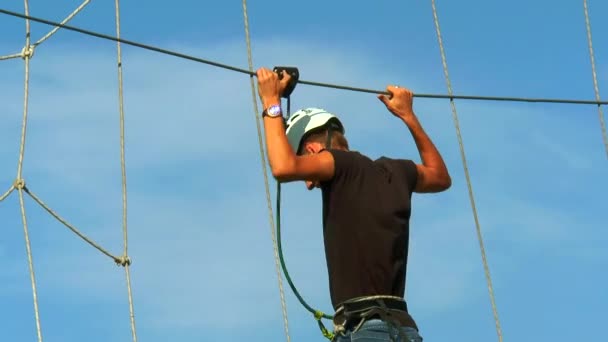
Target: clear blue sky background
x: 203, y: 267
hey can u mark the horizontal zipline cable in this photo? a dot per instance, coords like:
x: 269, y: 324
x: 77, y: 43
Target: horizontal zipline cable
x: 318, y: 84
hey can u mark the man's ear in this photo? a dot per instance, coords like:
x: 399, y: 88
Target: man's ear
x: 309, y: 149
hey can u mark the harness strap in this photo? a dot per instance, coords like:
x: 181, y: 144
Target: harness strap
x: 360, y: 310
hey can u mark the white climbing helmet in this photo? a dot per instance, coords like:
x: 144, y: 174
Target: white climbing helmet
x: 305, y: 120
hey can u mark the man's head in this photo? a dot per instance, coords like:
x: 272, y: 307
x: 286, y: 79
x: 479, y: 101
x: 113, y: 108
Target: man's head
x: 311, y: 130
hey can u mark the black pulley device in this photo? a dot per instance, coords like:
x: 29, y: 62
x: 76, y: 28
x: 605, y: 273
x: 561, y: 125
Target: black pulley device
x: 295, y: 75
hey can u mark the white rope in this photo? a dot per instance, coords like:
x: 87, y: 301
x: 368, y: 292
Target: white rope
x: 30, y: 262
x: 26, y: 57
x: 65, y: 21
x: 69, y: 226
x: 124, y: 174
x: 15, y: 55
x: 265, y: 174
x: 48, y: 35
x: 27, y: 53
x: 466, y: 172
x: 594, y: 74
x: 7, y: 193
x: 19, y: 183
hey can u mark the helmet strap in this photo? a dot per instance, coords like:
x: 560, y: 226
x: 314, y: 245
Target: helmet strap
x: 288, y: 113
x: 329, y: 136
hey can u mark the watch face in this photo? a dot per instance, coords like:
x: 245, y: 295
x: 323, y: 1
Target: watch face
x: 274, y: 110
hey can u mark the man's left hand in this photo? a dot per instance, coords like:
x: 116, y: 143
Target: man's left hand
x: 270, y: 88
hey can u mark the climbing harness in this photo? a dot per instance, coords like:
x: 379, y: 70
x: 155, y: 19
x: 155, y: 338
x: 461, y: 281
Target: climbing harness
x: 355, y: 312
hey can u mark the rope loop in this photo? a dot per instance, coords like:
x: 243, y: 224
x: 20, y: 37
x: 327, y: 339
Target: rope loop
x: 27, y: 52
x: 123, y: 261
x: 19, y: 184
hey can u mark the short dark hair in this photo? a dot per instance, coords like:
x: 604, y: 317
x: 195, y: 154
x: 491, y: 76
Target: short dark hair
x: 338, y: 140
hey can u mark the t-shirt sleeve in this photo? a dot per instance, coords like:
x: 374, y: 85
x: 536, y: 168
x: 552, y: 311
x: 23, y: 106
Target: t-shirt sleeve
x: 408, y: 167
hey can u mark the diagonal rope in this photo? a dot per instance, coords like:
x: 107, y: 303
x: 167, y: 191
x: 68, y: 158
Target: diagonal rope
x: 265, y: 171
x: 67, y: 19
x: 466, y: 172
x: 52, y: 32
x: 595, y: 85
x: 318, y: 84
x: 19, y: 184
x: 7, y: 193
x: 124, y: 174
x: 116, y: 259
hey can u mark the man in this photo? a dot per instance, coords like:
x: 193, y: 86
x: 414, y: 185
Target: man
x: 366, y: 207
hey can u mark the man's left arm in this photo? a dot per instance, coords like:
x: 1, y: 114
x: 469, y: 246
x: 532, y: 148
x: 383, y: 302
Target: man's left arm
x: 284, y: 163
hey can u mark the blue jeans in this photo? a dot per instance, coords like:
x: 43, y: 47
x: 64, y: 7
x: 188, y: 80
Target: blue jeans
x: 376, y: 330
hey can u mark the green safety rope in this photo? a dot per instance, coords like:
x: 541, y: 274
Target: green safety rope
x: 317, y: 313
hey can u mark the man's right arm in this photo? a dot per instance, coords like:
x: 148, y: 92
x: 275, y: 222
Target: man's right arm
x: 433, y: 175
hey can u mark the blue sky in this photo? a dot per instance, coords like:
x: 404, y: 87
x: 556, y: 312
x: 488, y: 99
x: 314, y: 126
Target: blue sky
x: 203, y: 267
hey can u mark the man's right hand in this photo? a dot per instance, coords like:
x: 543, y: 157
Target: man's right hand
x: 433, y: 175
x: 400, y: 102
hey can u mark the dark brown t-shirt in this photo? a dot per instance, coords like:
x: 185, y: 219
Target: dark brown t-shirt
x: 366, y: 212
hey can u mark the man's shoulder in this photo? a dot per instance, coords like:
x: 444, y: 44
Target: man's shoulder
x: 349, y: 163
x: 358, y: 157
x: 404, y: 169
x: 350, y: 158
x: 350, y: 155
x: 344, y: 152
x: 390, y: 159
x: 393, y: 160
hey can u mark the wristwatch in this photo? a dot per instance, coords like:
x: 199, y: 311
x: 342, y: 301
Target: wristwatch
x: 273, y: 111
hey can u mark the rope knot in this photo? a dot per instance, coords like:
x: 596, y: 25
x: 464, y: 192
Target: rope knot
x: 19, y: 184
x: 27, y: 52
x: 123, y: 261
